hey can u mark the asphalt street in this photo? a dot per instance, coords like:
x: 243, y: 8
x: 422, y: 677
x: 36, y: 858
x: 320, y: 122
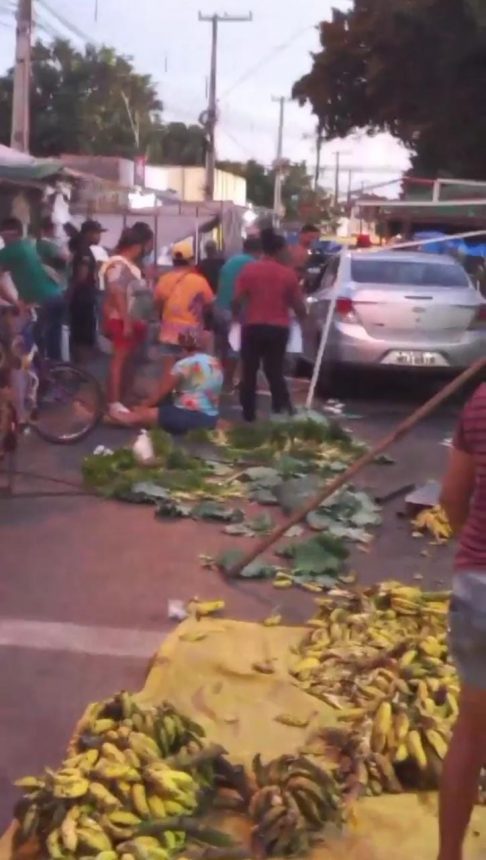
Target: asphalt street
x: 84, y: 582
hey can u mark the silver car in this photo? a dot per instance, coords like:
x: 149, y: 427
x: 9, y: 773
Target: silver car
x: 396, y: 309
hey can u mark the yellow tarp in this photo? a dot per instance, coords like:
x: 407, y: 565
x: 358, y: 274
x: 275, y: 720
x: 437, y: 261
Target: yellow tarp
x: 205, y: 669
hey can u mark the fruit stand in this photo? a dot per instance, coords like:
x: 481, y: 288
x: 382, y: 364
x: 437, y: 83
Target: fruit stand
x: 333, y: 733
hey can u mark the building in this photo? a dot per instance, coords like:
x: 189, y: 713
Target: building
x: 188, y: 183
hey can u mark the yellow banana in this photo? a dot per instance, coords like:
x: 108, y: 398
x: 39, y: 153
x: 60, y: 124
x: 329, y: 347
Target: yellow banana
x: 139, y: 800
x: 416, y: 749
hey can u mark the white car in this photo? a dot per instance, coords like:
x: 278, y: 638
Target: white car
x: 396, y: 309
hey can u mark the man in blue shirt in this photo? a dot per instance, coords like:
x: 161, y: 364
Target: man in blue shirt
x: 228, y: 277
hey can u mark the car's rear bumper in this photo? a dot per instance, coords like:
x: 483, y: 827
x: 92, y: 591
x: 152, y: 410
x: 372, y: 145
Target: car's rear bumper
x: 346, y: 348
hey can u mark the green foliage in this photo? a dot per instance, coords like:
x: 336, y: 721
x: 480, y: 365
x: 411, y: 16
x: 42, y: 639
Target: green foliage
x: 414, y: 68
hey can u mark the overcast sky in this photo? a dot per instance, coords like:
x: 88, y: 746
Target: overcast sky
x: 257, y: 60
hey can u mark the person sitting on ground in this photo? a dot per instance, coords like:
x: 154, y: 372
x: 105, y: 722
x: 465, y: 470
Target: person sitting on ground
x: 210, y: 267
x: 188, y: 395
x: 184, y: 299
x: 124, y: 321
x: 34, y: 285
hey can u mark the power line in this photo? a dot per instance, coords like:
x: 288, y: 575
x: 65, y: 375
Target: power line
x: 72, y: 28
x: 266, y: 59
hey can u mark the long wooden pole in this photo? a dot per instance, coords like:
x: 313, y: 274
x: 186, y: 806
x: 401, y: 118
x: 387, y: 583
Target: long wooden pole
x: 325, y: 492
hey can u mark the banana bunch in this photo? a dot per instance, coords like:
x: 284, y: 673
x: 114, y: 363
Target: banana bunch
x: 293, y: 798
x: 380, y: 657
x: 118, y: 777
x: 435, y: 521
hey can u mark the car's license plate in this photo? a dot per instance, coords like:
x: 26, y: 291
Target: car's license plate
x: 413, y: 358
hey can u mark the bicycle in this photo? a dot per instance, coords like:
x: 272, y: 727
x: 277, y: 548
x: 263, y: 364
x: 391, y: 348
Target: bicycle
x: 60, y: 402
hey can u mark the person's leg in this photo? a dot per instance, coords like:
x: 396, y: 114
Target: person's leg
x: 52, y: 320
x: 467, y: 751
x: 273, y: 365
x: 250, y: 362
x: 142, y: 416
x: 460, y: 775
x: 116, y: 372
x: 179, y: 421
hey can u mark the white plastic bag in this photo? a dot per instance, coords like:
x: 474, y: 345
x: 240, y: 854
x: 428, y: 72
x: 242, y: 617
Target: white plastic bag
x: 143, y: 450
x: 294, y: 344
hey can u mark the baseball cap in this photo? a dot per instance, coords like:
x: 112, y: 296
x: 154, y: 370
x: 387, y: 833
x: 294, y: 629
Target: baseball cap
x: 91, y: 226
x: 182, y: 251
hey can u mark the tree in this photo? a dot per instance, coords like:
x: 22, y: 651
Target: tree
x: 85, y: 102
x: 177, y: 143
x: 261, y: 181
x: 414, y: 68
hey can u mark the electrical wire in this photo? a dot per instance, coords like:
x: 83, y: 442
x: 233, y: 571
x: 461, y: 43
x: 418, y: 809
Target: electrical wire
x: 267, y: 59
x: 68, y: 25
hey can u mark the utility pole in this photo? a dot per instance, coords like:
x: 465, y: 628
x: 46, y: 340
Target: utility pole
x: 337, y: 178
x: 20, y: 131
x: 211, y: 116
x: 319, y: 142
x: 279, y: 173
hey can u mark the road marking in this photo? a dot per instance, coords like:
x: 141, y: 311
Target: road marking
x: 80, y: 639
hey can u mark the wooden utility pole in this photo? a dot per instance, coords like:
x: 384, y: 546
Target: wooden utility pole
x: 319, y: 143
x: 20, y: 130
x: 211, y: 117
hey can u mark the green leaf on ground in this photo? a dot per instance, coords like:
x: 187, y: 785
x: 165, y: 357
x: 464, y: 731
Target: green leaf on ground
x: 227, y: 559
x: 216, y: 512
x: 169, y: 509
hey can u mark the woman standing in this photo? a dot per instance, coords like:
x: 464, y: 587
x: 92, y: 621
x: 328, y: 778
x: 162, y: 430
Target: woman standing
x: 184, y: 297
x: 267, y: 291
x: 124, y: 323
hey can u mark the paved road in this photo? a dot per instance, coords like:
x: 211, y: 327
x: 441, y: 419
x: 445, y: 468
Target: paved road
x: 84, y: 584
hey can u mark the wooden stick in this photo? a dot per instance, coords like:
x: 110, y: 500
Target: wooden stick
x: 325, y: 492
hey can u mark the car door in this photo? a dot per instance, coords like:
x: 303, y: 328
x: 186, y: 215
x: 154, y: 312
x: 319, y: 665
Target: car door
x: 318, y: 308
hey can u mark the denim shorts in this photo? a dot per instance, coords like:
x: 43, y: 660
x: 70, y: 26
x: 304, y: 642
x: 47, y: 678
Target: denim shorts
x: 174, y: 349
x: 177, y: 421
x: 467, y: 632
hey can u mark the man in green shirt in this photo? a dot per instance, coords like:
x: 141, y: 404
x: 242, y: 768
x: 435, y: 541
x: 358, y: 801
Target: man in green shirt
x: 228, y: 276
x: 54, y: 258
x: 34, y: 285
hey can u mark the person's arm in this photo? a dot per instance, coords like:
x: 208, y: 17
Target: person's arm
x: 297, y: 302
x: 459, y: 480
x: 160, y: 295
x: 166, y: 386
x: 241, y: 293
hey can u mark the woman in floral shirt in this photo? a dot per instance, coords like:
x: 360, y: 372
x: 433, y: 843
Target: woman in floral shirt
x: 188, y: 396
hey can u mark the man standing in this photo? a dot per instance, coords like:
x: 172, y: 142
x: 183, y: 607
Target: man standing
x: 212, y: 264
x: 464, y: 500
x: 34, y: 285
x: 299, y: 254
x: 266, y: 293
x: 226, y: 290
x: 54, y: 258
x: 83, y: 290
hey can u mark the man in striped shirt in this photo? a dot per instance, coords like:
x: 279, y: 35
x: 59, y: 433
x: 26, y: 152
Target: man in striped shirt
x: 464, y: 499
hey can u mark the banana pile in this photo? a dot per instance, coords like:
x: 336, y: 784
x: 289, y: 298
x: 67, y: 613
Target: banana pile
x: 293, y: 798
x: 128, y: 766
x: 435, y: 521
x: 380, y: 658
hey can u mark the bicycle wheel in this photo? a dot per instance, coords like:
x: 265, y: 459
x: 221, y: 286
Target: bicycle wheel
x: 70, y: 404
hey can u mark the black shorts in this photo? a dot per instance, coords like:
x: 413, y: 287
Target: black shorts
x: 82, y: 323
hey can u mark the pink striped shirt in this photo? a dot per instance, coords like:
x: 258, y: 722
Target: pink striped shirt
x: 471, y: 439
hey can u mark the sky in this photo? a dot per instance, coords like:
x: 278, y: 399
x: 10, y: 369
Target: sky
x: 257, y: 61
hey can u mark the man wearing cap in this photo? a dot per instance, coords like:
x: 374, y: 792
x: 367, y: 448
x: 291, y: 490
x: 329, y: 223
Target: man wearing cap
x: 34, y: 284
x: 83, y: 289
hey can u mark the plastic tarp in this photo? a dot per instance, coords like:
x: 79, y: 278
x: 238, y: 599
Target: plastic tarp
x: 205, y: 669
x: 467, y: 248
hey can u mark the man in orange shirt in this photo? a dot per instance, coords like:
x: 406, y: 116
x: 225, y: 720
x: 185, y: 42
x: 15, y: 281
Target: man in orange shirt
x: 184, y: 298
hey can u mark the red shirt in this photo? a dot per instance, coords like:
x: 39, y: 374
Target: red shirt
x: 471, y: 438
x: 267, y: 291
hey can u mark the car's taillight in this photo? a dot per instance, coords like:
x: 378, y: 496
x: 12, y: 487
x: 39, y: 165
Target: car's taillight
x: 479, y: 317
x: 345, y: 308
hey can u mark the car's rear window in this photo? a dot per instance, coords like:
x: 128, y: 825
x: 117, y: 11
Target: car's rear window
x: 408, y: 273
